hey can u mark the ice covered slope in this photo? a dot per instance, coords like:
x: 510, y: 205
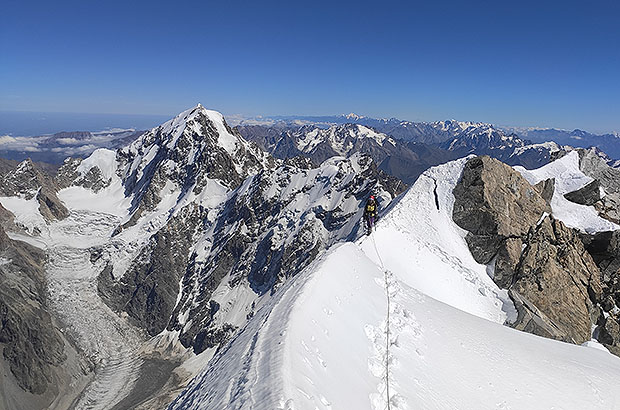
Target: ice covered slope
x: 322, y: 341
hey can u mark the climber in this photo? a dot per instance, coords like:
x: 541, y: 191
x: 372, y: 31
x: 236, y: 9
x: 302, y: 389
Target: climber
x: 370, y: 213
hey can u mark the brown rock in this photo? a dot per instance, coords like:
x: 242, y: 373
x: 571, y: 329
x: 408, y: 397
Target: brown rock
x: 496, y: 204
x: 546, y: 189
x: 609, y: 207
x: 494, y: 199
x: 530, y: 319
x: 50, y: 206
x: 558, y: 276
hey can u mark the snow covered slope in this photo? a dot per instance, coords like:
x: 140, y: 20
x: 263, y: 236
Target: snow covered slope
x: 569, y: 178
x: 405, y: 315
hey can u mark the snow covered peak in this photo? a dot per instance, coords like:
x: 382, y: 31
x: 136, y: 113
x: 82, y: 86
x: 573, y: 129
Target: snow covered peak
x: 353, y: 116
x: 455, y: 126
x: 191, y: 120
x: 339, y: 138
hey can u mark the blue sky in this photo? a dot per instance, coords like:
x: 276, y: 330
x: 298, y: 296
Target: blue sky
x: 510, y: 63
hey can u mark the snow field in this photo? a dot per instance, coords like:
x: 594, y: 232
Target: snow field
x: 569, y: 178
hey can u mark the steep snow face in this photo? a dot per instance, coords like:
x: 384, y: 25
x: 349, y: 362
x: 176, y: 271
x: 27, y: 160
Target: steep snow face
x: 104, y: 159
x: 325, y: 340
x: 569, y: 178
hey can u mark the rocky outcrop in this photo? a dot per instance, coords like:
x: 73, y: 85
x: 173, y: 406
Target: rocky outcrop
x: 546, y: 189
x: 50, y: 206
x: 588, y: 195
x: 532, y: 320
x: 497, y: 206
x: 605, y: 250
x: 6, y: 219
x: 594, y: 166
x: 560, y: 278
x: 554, y: 283
x: 609, y: 207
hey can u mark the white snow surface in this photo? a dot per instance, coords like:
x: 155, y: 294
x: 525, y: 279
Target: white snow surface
x: 26, y: 213
x: 104, y: 159
x: 569, y: 178
x: 322, y: 341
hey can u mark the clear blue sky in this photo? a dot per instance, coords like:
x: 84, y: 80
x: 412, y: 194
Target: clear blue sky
x: 553, y: 63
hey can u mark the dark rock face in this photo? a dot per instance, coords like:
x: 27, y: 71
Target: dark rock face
x: 6, y: 219
x: 50, y: 206
x: 31, y: 345
x: 560, y: 278
x: 609, y: 333
x: 605, y: 250
x: 588, y: 195
x: 495, y: 203
x: 148, y: 291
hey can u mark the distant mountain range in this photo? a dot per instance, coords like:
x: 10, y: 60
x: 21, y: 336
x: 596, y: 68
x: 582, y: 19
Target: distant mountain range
x: 426, y: 144
x: 441, y: 131
x: 412, y: 147
x: 609, y: 143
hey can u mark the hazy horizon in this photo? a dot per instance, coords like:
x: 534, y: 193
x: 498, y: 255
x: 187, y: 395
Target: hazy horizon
x: 32, y: 123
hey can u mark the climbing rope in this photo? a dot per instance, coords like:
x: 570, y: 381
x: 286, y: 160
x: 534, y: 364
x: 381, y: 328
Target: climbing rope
x: 387, y: 326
